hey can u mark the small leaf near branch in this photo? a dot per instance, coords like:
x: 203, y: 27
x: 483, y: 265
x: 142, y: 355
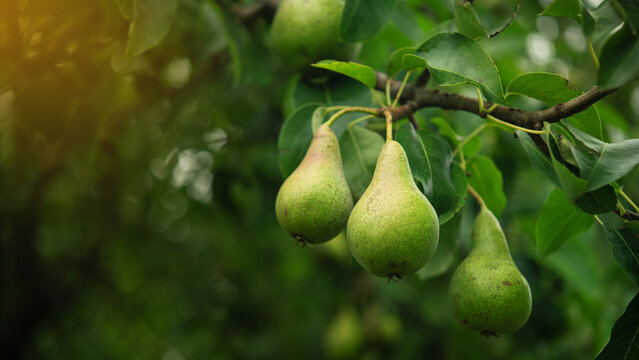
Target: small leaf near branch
x: 395, y: 60
x: 359, y: 72
x: 601, y: 162
x: 455, y: 59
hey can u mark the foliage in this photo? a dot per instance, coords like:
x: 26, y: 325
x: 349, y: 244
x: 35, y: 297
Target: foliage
x: 142, y: 143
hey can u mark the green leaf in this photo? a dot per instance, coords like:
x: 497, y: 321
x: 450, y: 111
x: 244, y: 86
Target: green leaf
x: 558, y: 222
x: 430, y: 159
x: 565, y: 8
x: 631, y: 9
x: 151, y: 22
x: 295, y: 137
x: 445, y: 254
x: 618, y: 59
x: 361, y: 20
x: 572, y: 185
x: 625, y: 248
x: 486, y: 179
x: 603, y: 20
x: 588, y: 23
x: 604, y: 162
x: 579, y: 267
x: 537, y: 158
x: 395, y: 60
x: 359, y: 72
x: 598, y: 201
x: 467, y: 21
x: 410, y: 62
x: 360, y: 148
x: 552, y: 89
x: 455, y: 59
x: 624, y: 337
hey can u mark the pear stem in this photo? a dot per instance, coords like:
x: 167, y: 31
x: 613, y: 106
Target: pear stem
x: 401, y: 88
x: 470, y: 136
x: 388, y: 96
x: 592, y: 53
x: 389, y: 125
x: 358, y: 120
x: 350, y: 109
x: 335, y: 108
x: 598, y: 220
x: 477, y: 197
x: 538, y: 132
x: 628, y: 200
x: 482, y: 110
x: 376, y: 96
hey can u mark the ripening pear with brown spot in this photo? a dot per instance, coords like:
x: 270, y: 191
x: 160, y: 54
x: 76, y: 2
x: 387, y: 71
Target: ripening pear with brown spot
x: 487, y: 292
x: 393, y: 229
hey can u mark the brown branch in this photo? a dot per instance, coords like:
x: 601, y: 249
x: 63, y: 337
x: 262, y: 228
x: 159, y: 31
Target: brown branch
x: 415, y: 98
x: 423, y: 78
x: 628, y: 215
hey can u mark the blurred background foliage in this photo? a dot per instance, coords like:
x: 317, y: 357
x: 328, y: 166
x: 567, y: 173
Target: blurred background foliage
x: 137, y: 196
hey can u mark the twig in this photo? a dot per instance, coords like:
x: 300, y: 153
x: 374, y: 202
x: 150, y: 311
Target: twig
x: 628, y: 215
x: 416, y: 98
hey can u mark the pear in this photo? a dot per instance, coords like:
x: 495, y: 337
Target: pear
x: 314, y: 202
x: 487, y: 291
x: 307, y: 31
x: 393, y: 229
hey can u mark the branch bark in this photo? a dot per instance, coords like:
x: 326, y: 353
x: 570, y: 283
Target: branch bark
x: 628, y: 215
x: 416, y: 97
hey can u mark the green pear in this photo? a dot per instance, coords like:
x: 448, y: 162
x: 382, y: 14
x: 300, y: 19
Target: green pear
x: 307, y: 31
x: 487, y: 291
x: 314, y: 202
x: 393, y: 229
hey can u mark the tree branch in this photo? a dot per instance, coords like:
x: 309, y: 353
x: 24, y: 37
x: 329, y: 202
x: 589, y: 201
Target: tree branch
x: 415, y: 98
x: 628, y: 215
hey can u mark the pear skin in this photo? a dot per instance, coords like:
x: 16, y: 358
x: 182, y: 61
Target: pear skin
x: 304, y: 32
x: 393, y: 229
x: 487, y: 291
x: 314, y: 202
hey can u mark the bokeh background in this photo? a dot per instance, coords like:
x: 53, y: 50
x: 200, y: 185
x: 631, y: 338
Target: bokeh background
x: 137, y: 197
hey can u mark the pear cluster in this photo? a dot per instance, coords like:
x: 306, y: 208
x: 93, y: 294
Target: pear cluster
x: 393, y: 229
